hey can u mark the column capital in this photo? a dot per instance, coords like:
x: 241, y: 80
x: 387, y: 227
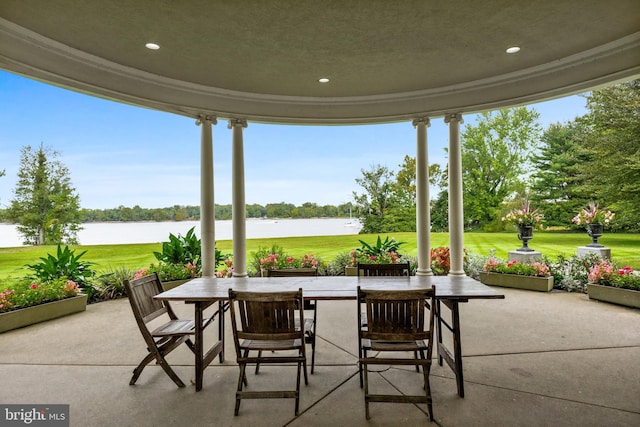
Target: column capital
x: 421, y: 121
x: 237, y: 123
x: 206, y: 118
x: 453, y: 116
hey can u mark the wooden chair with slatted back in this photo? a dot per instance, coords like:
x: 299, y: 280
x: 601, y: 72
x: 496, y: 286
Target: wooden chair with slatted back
x: 399, y: 269
x: 309, y: 305
x: 164, y: 338
x: 395, y: 325
x: 265, y: 322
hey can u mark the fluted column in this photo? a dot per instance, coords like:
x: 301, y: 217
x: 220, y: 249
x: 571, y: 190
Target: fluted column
x: 423, y: 210
x: 238, y: 207
x: 207, y: 206
x: 456, y: 212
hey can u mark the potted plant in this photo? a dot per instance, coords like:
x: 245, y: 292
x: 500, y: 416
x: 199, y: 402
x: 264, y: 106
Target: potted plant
x: 525, y: 219
x: 534, y: 276
x: 385, y: 251
x: 594, y: 219
x: 618, y: 285
x: 28, y: 302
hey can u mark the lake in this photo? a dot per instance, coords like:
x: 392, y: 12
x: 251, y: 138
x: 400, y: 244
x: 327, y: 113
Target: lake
x: 111, y: 233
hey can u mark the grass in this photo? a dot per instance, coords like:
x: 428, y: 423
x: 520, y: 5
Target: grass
x: 625, y: 248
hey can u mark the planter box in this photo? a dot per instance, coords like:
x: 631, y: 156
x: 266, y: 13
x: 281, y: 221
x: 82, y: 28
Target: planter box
x: 621, y: 296
x: 173, y: 283
x: 532, y: 283
x: 351, y: 271
x: 39, y: 313
x: 303, y: 270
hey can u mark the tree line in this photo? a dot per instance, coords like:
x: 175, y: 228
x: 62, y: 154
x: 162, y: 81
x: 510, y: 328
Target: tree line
x: 508, y: 159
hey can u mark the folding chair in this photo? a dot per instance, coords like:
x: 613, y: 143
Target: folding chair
x: 309, y: 305
x: 400, y: 269
x: 396, y: 324
x: 263, y: 322
x: 164, y: 338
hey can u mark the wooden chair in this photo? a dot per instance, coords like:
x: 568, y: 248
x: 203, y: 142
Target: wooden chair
x: 309, y: 305
x: 163, y: 339
x: 263, y: 322
x: 400, y: 269
x: 396, y: 323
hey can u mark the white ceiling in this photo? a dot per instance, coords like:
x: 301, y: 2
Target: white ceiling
x: 261, y: 60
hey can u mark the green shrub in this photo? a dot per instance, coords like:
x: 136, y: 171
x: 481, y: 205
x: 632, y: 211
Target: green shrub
x: 110, y: 285
x: 182, y: 250
x: 65, y: 265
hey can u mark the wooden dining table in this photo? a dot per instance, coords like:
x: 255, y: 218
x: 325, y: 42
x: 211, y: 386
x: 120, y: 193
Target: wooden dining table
x: 450, y: 292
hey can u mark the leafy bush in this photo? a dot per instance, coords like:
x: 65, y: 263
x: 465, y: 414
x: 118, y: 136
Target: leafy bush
x: 337, y: 265
x: 110, y: 285
x: 65, y: 265
x: 382, y: 252
x: 181, y: 250
x: 571, y: 274
x: 474, y: 264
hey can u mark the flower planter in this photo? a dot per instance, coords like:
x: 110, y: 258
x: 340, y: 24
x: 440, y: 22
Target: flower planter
x: 39, y: 313
x: 351, y: 271
x: 264, y: 273
x: 621, y: 296
x: 532, y: 283
x: 173, y: 283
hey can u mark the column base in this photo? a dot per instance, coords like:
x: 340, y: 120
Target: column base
x: 604, y: 253
x: 525, y: 257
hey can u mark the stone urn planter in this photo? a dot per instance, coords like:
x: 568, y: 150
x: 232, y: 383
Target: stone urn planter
x: 533, y: 283
x: 612, y: 294
x: 39, y: 313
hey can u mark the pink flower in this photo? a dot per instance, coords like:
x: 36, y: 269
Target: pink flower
x: 34, y: 286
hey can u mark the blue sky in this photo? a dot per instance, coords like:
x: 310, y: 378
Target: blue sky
x: 119, y: 154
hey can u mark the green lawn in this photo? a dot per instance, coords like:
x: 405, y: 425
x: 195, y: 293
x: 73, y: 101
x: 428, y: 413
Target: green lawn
x: 625, y: 248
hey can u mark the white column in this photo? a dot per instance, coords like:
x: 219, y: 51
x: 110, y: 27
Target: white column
x: 423, y: 209
x: 238, y: 207
x: 207, y: 207
x: 456, y: 213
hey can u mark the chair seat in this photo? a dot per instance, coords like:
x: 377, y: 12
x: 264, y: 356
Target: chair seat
x: 394, y: 345
x: 174, y: 327
x: 262, y: 345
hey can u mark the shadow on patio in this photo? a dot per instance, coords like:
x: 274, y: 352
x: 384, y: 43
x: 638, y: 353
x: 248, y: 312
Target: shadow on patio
x: 532, y: 359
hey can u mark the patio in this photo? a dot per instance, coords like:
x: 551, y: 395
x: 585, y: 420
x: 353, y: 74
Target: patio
x: 532, y: 359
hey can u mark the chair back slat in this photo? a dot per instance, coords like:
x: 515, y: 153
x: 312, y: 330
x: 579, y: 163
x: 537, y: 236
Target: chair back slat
x: 272, y: 313
x: 400, y: 269
x: 395, y: 315
x: 141, y: 292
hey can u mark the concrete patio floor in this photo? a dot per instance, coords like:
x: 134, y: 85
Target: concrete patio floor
x: 532, y: 359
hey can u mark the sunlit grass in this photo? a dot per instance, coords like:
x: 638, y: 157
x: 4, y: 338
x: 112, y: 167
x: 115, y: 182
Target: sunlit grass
x: 625, y: 248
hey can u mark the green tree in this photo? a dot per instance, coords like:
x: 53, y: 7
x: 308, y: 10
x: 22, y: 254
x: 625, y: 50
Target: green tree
x: 373, y: 204
x: 611, y: 175
x: 45, y: 206
x: 556, y: 180
x: 495, y: 154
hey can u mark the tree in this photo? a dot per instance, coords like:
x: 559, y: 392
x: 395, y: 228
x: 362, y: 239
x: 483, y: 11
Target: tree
x: 495, y: 153
x: 373, y: 204
x: 45, y: 206
x: 557, y: 177
x: 612, y: 173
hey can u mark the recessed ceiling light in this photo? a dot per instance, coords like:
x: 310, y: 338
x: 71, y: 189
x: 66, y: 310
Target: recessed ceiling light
x: 513, y: 49
x: 152, y: 46
x: 323, y: 80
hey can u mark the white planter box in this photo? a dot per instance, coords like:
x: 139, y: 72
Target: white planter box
x: 621, y: 296
x: 532, y: 283
x: 39, y: 313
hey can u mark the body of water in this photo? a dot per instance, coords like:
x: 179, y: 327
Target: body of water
x: 108, y: 233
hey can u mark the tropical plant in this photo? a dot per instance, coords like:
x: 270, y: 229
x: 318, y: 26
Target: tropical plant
x: 110, y: 284
x: 65, y: 265
x: 182, y: 250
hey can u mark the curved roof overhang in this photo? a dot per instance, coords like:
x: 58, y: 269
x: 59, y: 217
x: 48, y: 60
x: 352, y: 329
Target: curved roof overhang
x: 210, y: 64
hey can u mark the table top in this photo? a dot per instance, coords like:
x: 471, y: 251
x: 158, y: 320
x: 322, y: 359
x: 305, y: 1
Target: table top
x: 329, y: 287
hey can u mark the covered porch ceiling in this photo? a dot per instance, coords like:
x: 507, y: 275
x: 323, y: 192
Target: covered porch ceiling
x: 262, y: 60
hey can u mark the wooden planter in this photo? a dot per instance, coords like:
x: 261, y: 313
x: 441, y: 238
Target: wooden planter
x: 621, y: 296
x: 173, y: 283
x: 532, y: 283
x: 39, y: 313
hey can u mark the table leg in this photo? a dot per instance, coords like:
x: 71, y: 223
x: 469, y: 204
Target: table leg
x: 199, y: 333
x: 453, y: 360
x: 221, y: 305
